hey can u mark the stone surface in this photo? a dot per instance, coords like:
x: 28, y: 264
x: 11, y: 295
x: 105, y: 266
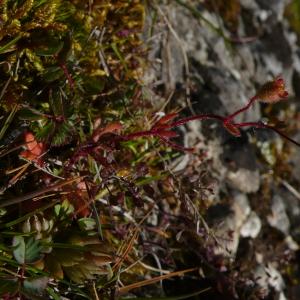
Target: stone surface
x: 244, y: 180
x: 251, y: 228
x: 278, y: 217
x: 268, y: 276
x: 221, y: 79
x: 232, y: 224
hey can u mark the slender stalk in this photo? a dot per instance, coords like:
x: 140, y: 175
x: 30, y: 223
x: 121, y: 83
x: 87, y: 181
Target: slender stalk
x: 37, y: 193
x: 8, y: 121
x: 243, y: 109
x: 160, y: 129
x: 175, y: 146
x: 126, y: 289
x: 138, y: 134
x: 67, y: 74
x: 197, y: 117
x: 262, y: 125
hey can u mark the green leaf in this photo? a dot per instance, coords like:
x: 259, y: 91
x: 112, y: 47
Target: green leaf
x: 52, y: 293
x: 30, y: 115
x: 63, y: 134
x: 8, y: 285
x: 8, y: 121
x: 50, y: 50
x: 86, y: 224
x: 7, y: 46
x: 56, y: 103
x: 26, y: 252
x: 66, y: 48
x: 20, y: 249
x: 52, y: 73
x: 64, y: 209
x: 119, y: 55
x: 93, y: 85
x: 44, y: 133
x: 33, y: 250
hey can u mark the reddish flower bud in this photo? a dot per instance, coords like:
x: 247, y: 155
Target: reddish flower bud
x: 272, y: 91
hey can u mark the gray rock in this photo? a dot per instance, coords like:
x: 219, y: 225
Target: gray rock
x: 294, y: 160
x: 268, y: 276
x: 233, y: 223
x: 275, y: 279
x: 252, y: 226
x: 278, y: 217
x: 249, y: 4
x: 244, y: 180
x: 276, y: 6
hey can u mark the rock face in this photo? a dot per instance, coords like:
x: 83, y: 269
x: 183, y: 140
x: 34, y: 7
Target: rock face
x: 278, y: 217
x: 251, y: 228
x: 207, y: 74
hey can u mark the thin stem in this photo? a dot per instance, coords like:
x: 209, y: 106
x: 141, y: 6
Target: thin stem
x: 197, y: 117
x: 262, y: 125
x: 156, y: 131
x: 243, y: 109
x: 252, y: 124
x: 138, y: 134
x: 38, y: 192
x: 67, y: 74
x: 175, y: 146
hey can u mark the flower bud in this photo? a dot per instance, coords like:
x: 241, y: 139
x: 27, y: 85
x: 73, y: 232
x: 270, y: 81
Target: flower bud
x: 272, y: 91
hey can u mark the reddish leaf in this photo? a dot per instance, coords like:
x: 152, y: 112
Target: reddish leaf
x: 80, y: 200
x: 164, y: 120
x: 109, y: 128
x: 34, y: 149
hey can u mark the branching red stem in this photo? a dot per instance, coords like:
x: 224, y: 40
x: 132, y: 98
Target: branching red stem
x: 270, y: 92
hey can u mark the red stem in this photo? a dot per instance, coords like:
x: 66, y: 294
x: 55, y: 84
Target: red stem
x: 197, y: 117
x: 156, y: 130
x: 262, y: 125
x: 175, y: 146
x: 67, y: 74
x: 138, y: 134
x: 250, y: 102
